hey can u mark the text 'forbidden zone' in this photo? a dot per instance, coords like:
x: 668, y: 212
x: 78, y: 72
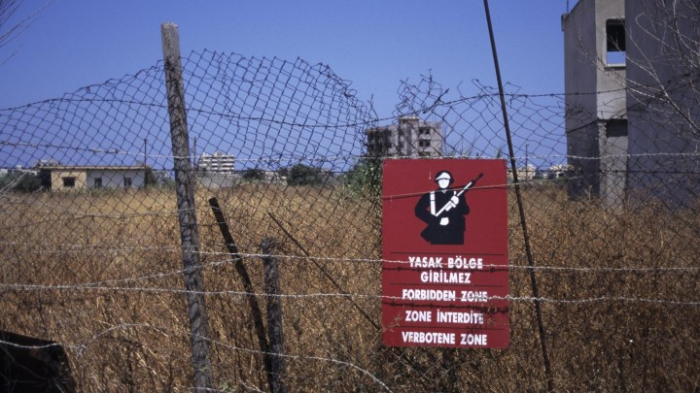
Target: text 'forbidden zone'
x: 445, y: 262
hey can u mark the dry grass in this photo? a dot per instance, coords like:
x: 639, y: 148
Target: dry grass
x: 129, y: 332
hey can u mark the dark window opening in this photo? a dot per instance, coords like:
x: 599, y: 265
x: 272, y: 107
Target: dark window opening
x: 424, y: 143
x: 98, y: 182
x: 616, y: 128
x: 68, y: 182
x: 424, y: 131
x: 616, y: 51
x: 127, y: 182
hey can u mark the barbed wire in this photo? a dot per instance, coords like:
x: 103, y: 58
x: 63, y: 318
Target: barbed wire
x: 292, y: 257
x: 24, y: 287
x: 93, y: 261
x: 81, y: 347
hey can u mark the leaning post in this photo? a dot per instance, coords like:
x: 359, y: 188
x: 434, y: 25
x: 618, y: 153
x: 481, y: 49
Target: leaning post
x: 196, y: 310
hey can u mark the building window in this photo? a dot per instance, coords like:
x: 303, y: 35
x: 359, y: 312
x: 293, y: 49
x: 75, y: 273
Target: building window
x: 424, y: 131
x: 616, y: 128
x: 68, y: 182
x: 615, y: 42
x: 424, y: 143
x: 127, y: 182
x: 97, y: 183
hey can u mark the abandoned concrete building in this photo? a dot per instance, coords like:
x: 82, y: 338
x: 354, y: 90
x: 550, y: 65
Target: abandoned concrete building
x: 630, y: 117
x: 411, y: 137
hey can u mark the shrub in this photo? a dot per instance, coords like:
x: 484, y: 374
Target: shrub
x: 20, y: 181
x: 254, y: 174
x: 304, y: 175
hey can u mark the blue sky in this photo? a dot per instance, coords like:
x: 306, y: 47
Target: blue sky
x: 372, y: 43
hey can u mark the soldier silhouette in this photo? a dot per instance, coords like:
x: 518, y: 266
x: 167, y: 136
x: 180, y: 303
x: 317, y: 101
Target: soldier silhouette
x: 444, y: 210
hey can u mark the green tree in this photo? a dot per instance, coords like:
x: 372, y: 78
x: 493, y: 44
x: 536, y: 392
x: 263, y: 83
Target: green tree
x: 20, y: 181
x: 254, y: 174
x: 365, y: 178
x: 304, y: 175
x: 150, y: 177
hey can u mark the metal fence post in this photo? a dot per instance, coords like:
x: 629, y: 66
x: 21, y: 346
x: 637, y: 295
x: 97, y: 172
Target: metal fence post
x: 196, y: 310
x: 521, y: 209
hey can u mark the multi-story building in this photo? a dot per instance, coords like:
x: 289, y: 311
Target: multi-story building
x: 411, y: 137
x: 630, y: 98
x: 217, y: 163
x: 596, y: 115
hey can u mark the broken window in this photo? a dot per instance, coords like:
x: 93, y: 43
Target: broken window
x: 616, y: 128
x: 615, y: 42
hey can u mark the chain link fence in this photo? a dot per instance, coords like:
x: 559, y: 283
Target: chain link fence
x: 91, y: 255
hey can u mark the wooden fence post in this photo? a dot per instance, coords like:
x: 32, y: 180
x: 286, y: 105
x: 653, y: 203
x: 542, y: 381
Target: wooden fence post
x: 325, y: 273
x: 274, y: 317
x: 196, y: 310
x: 245, y: 279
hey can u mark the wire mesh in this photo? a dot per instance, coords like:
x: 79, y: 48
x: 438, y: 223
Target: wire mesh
x: 91, y: 254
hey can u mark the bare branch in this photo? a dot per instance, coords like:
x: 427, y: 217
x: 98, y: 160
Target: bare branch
x: 8, y: 9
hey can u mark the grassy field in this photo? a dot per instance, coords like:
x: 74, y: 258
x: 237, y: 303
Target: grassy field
x: 101, y: 274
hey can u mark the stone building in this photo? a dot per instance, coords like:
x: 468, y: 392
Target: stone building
x: 69, y: 178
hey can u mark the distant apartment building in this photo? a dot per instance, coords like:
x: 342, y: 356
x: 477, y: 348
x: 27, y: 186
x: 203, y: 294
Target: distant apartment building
x: 67, y: 178
x: 557, y: 172
x: 217, y: 163
x: 525, y: 173
x: 18, y: 169
x: 411, y: 137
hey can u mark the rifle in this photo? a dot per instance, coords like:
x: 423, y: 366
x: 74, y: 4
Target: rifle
x: 469, y: 185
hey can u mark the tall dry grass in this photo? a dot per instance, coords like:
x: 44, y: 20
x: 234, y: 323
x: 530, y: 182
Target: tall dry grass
x: 101, y: 273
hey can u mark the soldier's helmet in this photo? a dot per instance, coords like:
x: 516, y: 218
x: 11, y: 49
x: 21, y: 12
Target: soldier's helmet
x: 443, y: 175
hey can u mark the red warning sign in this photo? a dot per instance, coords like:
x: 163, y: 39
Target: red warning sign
x: 445, y: 251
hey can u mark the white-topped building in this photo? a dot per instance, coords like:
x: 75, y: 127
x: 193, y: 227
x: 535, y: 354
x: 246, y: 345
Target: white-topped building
x: 218, y: 162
